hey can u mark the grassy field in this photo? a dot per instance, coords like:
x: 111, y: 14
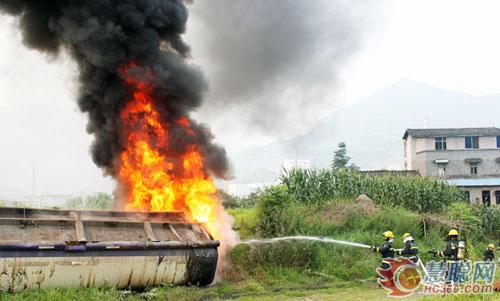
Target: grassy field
x: 312, y: 270
x: 290, y: 271
x: 247, y: 290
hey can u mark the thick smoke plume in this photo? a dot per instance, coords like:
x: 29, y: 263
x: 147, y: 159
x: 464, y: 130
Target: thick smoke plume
x: 275, y: 63
x: 103, y: 36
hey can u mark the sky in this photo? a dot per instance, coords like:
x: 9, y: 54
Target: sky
x: 351, y: 51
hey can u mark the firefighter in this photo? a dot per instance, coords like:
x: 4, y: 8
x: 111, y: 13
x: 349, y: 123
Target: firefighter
x: 455, y: 249
x: 489, y: 253
x: 386, y: 249
x: 410, y: 250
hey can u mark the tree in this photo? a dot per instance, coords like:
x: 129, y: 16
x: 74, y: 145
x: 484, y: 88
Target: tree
x: 100, y: 201
x: 341, y: 159
x: 74, y: 203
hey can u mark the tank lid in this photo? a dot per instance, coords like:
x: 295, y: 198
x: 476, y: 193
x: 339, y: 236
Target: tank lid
x: 50, y: 228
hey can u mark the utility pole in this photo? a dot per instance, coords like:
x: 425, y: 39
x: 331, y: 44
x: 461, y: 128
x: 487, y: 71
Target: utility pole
x: 33, y: 183
x: 295, y: 155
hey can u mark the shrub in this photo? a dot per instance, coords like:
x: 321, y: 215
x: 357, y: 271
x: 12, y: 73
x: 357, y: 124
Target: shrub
x: 489, y: 219
x: 232, y: 201
x: 277, y: 214
x: 99, y: 201
x: 341, y: 262
x: 463, y: 213
x: 483, y: 220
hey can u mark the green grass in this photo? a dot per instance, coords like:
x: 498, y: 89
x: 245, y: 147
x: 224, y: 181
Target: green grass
x: 279, y: 215
x: 339, y: 219
x: 296, y: 270
x: 245, y: 221
x: 308, y: 288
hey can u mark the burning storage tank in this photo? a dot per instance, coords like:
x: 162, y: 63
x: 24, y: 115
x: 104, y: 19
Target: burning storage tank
x: 41, y: 248
x: 138, y: 87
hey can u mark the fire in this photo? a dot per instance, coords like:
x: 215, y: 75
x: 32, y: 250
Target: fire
x: 156, y: 181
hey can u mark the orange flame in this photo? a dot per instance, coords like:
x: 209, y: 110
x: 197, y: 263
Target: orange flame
x: 153, y: 180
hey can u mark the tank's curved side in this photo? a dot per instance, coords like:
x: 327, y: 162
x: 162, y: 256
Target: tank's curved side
x: 201, y: 266
x: 43, y: 248
x: 124, y: 270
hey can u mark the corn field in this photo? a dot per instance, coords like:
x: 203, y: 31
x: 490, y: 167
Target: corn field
x: 412, y: 192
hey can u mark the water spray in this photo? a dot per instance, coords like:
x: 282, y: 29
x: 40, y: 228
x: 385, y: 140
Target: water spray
x: 318, y: 239
x: 310, y: 238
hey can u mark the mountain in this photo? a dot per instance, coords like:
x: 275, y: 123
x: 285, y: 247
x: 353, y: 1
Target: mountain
x: 372, y: 129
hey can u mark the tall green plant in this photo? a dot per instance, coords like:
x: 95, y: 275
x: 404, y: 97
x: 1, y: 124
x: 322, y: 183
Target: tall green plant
x: 415, y: 193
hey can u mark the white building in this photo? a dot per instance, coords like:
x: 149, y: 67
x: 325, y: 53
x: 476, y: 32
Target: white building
x: 297, y: 164
x: 466, y: 157
x: 243, y: 190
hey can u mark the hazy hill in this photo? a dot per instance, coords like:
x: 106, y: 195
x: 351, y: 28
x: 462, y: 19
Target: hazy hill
x: 372, y: 128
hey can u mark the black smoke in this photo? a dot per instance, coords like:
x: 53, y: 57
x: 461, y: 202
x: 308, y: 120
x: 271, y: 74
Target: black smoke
x: 276, y: 63
x: 102, y: 36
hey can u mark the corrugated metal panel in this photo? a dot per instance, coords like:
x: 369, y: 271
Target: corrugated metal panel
x: 474, y: 182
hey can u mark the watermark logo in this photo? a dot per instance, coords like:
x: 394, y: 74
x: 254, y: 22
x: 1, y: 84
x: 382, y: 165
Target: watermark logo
x: 400, y: 277
x: 458, y: 277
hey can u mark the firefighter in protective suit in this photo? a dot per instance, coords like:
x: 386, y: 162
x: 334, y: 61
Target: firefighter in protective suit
x: 489, y: 253
x: 386, y: 250
x: 410, y: 249
x: 455, y: 249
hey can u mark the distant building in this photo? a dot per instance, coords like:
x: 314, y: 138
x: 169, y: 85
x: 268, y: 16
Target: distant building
x: 244, y: 190
x: 38, y: 201
x: 298, y: 164
x: 389, y: 172
x: 466, y: 157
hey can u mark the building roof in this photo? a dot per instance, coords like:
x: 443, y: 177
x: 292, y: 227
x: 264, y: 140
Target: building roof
x: 389, y: 172
x: 452, y: 132
x: 474, y: 182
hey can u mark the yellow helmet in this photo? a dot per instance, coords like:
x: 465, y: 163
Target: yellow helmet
x: 453, y: 232
x: 388, y: 234
x: 491, y: 246
x: 406, y: 235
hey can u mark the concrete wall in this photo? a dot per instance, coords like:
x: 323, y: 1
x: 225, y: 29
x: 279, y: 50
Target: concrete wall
x: 420, y: 155
x: 476, y: 194
x: 457, y: 167
x: 452, y: 143
x: 409, y: 145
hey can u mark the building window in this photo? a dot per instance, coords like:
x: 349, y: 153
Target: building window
x: 486, y: 198
x: 497, y: 197
x: 471, y: 142
x: 473, y: 170
x: 440, y: 143
x: 498, y: 141
x: 467, y: 195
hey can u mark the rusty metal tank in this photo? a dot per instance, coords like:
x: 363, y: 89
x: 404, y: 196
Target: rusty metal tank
x: 42, y: 248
